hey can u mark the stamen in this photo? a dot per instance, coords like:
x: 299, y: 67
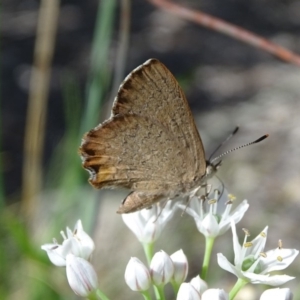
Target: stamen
x: 202, y: 198
x: 263, y: 234
x: 263, y: 254
x: 279, y: 244
x: 229, y: 202
x: 246, y: 231
x: 227, y: 210
x: 202, y: 211
x: 279, y: 258
x: 212, y: 201
x: 231, y: 197
x: 248, y: 245
x: 217, y: 192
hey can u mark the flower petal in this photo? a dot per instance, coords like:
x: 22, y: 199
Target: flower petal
x: 274, y: 280
x: 278, y: 294
x: 235, y: 216
x: 87, y: 245
x: 226, y: 265
x: 55, y: 254
x: 236, y: 246
x: 209, y: 226
x: 278, y: 259
x: 257, y: 244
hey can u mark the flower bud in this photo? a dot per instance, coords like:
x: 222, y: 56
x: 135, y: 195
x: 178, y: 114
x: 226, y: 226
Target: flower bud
x: 137, y: 275
x: 215, y: 294
x: 161, y: 268
x: 81, y: 275
x: 187, y: 292
x: 180, y: 266
x: 199, y: 284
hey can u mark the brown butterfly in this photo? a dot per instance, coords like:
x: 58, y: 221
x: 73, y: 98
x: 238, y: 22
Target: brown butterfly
x: 150, y: 144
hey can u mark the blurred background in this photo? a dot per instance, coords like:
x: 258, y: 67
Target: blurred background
x: 62, y: 62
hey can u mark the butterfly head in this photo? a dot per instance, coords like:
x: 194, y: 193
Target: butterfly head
x: 211, y: 169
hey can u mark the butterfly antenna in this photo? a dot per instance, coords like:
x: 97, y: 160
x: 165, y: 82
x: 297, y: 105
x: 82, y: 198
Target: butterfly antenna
x: 242, y: 146
x: 225, y: 141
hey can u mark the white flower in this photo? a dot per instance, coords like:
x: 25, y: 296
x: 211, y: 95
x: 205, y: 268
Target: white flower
x: 77, y: 242
x: 209, y: 220
x: 181, y: 266
x: 278, y: 294
x: 81, y: 275
x: 147, y: 224
x: 161, y: 268
x: 188, y: 292
x: 214, y: 294
x: 137, y: 275
x: 253, y: 265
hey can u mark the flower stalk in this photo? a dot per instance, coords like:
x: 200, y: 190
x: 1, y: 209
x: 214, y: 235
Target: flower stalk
x: 238, y: 285
x: 209, y: 243
x: 148, y: 249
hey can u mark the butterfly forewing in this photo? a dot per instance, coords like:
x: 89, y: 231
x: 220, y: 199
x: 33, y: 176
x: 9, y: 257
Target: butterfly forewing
x: 150, y: 144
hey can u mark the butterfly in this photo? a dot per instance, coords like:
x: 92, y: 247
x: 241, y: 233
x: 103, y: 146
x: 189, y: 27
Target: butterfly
x: 150, y: 144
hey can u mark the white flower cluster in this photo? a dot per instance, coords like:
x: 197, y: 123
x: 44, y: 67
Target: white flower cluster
x: 73, y: 254
x: 164, y: 269
x: 252, y: 264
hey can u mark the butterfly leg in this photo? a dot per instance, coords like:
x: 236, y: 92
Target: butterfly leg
x: 207, y: 189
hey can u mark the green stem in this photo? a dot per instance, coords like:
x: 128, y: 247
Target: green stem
x: 175, y: 286
x: 146, y: 295
x: 209, y: 243
x: 93, y: 296
x: 102, y: 295
x: 238, y: 285
x: 159, y: 292
x: 148, y: 249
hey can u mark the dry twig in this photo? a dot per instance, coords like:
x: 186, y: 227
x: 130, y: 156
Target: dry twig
x: 228, y: 29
